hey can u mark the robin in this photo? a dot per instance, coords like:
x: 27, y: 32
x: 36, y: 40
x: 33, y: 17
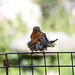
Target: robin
x: 39, y: 41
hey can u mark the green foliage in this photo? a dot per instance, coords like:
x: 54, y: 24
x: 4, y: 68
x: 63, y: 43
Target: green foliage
x: 65, y: 59
x: 10, y: 31
x: 55, y: 17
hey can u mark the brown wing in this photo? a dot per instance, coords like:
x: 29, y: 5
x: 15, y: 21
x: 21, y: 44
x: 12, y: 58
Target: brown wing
x: 44, y: 35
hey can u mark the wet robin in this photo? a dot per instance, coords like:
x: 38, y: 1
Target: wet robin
x: 39, y: 41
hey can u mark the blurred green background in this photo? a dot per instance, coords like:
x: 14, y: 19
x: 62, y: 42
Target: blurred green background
x: 57, y: 15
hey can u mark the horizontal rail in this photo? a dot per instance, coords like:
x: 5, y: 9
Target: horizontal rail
x: 42, y: 66
x: 34, y: 52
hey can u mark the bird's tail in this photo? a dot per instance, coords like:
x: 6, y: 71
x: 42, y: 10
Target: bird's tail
x: 52, y: 43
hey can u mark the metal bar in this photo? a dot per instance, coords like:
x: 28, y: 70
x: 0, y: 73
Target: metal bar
x: 32, y: 63
x: 45, y: 63
x: 2, y: 67
x: 58, y: 63
x: 34, y: 52
x: 43, y: 66
x: 19, y: 64
x: 6, y: 70
x: 72, y: 64
x: 6, y: 66
x: 2, y: 54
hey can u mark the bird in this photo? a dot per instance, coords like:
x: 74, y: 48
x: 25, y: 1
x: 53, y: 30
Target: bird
x: 39, y: 40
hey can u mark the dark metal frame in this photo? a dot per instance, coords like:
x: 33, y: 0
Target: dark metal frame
x: 6, y: 63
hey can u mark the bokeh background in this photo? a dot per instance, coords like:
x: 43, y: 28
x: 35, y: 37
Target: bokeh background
x: 55, y: 17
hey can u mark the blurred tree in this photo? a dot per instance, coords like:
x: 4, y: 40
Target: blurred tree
x: 56, y: 16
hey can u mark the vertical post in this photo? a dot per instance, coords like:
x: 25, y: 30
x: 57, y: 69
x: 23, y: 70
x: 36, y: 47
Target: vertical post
x: 32, y: 62
x: 7, y: 65
x: 6, y: 70
x: 72, y: 64
x: 58, y: 63
x: 19, y: 64
x: 45, y: 63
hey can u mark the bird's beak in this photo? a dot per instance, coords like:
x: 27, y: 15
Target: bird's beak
x: 34, y: 31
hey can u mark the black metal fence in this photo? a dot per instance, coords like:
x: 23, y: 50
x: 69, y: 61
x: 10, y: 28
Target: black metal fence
x: 7, y: 65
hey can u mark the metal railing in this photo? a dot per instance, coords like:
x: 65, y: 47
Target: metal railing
x: 7, y: 65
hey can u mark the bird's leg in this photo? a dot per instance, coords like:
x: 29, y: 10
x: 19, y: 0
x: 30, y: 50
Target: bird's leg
x: 32, y: 52
x: 43, y: 52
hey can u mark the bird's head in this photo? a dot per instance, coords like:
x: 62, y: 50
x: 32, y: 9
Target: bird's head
x: 36, y: 29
